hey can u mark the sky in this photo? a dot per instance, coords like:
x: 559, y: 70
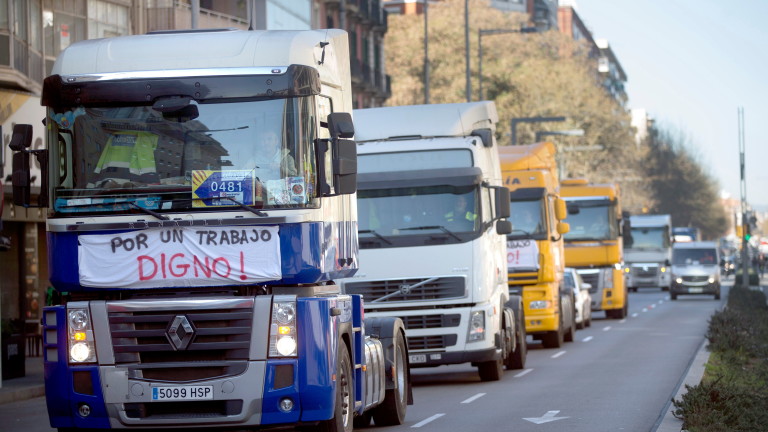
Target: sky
x: 691, y: 64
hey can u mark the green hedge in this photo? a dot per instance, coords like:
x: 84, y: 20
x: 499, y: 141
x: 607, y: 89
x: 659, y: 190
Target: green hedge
x: 733, y: 396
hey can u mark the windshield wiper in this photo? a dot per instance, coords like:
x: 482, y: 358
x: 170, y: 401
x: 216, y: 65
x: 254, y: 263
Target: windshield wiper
x: 375, y: 234
x: 130, y: 203
x: 242, y: 206
x: 437, y: 227
x: 147, y: 211
x: 519, y: 233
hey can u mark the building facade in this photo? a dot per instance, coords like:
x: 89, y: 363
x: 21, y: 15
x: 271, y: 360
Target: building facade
x: 34, y: 32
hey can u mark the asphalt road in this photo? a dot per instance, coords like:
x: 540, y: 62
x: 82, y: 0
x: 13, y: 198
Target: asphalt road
x: 618, y: 375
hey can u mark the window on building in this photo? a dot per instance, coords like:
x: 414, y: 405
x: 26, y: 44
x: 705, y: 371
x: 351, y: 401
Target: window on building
x: 63, y: 25
x: 107, y: 19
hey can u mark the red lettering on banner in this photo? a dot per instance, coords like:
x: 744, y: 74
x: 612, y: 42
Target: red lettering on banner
x: 224, y: 260
x: 177, y: 266
x: 183, y: 267
x: 141, y: 260
x: 203, y: 268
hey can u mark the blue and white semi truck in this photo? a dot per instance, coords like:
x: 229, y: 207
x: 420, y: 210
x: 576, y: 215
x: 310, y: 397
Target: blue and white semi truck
x: 196, y: 265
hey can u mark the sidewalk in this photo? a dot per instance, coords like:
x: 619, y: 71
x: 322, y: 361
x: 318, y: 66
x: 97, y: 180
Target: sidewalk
x: 27, y: 387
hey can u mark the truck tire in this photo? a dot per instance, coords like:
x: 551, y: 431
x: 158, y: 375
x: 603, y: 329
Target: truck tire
x: 392, y: 411
x: 569, y: 334
x: 554, y: 339
x: 343, y: 409
x: 491, y: 370
x: 516, y: 359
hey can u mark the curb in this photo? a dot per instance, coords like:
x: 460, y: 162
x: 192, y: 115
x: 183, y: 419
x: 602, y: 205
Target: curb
x: 693, y: 376
x: 23, y: 393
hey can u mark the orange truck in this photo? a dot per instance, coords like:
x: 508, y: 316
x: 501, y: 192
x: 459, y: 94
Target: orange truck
x: 535, y: 247
x: 594, y: 244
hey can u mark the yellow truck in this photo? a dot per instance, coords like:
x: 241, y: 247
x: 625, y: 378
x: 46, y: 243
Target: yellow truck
x: 535, y: 260
x: 594, y: 244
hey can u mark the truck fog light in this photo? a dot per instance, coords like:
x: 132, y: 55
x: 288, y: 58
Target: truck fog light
x: 84, y: 410
x: 626, y: 269
x: 286, y: 405
x: 80, y: 352
x: 286, y: 346
x: 663, y: 269
x: 539, y: 304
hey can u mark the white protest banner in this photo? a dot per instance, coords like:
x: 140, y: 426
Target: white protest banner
x: 522, y: 254
x: 180, y: 257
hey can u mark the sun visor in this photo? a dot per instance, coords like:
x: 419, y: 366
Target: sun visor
x: 524, y: 194
x: 466, y: 176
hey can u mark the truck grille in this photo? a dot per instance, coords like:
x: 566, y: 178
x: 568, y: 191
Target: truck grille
x: 431, y: 321
x: 645, y: 271
x: 181, y: 344
x: 695, y: 278
x: 398, y: 290
x: 431, y: 342
x: 592, y: 279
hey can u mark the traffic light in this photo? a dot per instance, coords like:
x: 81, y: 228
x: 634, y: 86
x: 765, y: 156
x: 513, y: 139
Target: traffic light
x: 748, y: 232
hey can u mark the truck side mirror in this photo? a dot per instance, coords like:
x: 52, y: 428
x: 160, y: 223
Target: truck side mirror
x: 337, y: 158
x: 340, y: 125
x: 20, y: 172
x: 561, y: 210
x: 485, y: 135
x: 502, y: 199
x: 563, y: 227
x: 503, y: 227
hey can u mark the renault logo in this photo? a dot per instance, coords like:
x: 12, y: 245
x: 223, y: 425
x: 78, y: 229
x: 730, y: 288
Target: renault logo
x: 180, y: 332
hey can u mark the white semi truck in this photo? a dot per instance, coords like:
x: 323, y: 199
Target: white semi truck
x: 196, y: 261
x: 432, y: 232
x: 647, y: 257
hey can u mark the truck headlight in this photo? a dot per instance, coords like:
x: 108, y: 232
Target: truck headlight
x: 711, y: 279
x: 82, y: 348
x: 663, y: 269
x: 539, y: 304
x: 282, y: 330
x: 679, y: 280
x: 476, y: 326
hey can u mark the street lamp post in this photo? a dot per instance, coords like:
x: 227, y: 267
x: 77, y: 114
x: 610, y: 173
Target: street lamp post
x: 559, y: 157
x: 516, y: 120
x: 488, y: 32
x: 466, y: 50
x: 426, y: 52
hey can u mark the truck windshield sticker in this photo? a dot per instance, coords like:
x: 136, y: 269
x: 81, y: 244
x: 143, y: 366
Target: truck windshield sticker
x: 209, y: 187
x: 175, y: 257
x: 522, y: 254
x: 291, y: 190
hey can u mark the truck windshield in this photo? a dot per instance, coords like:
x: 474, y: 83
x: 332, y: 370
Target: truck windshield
x: 649, y: 238
x: 204, y: 156
x: 385, y: 215
x: 595, y: 220
x: 686, y: 256
x: 528, y: 218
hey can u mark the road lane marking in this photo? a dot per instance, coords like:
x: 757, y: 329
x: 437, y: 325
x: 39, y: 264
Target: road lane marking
x: 425, y: 421
x: 623, y: 321
x: 587, y: 339
x: 546, y: 418
x: 606, y: 328
x: 661, y: 301
x: 558, y: 354
x: 634, y: 315
x: 473, y: 398
x: 523, y: 372
x: 645, y: 309
x: 653, y: 306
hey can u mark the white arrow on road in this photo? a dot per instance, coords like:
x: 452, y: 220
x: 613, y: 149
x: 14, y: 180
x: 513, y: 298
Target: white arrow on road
x: 546, y: 418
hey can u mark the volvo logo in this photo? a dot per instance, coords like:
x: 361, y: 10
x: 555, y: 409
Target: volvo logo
x: 180, y: 332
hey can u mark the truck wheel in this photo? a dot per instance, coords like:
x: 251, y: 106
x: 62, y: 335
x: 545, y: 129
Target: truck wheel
x: 672, y: 296
x: 343, y: 411
x: 491, y: 370
x: 516, y: 359
x: 392, y: 411
x: 569, y: 334
x: 554, y: 339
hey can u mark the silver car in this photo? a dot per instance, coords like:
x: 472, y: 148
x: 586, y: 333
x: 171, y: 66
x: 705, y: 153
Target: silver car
x: 695, y: 269
x: 581, y: 297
